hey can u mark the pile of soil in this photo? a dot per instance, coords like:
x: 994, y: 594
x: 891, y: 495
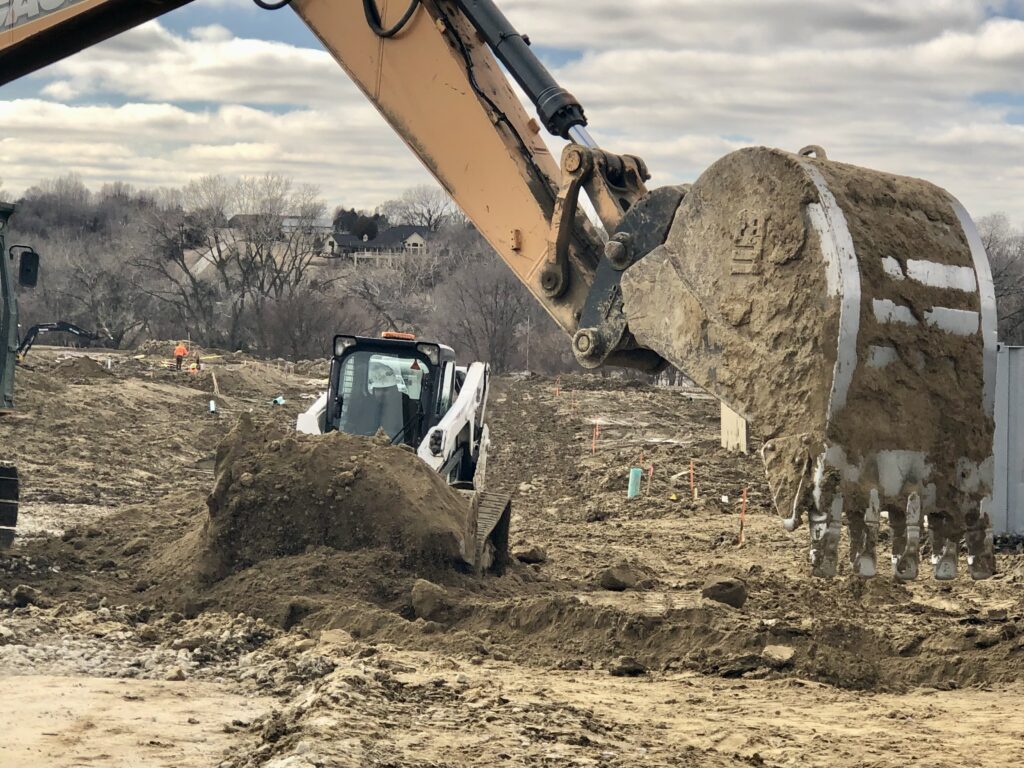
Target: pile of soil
x: 278, y: 493
x: 81, y: 370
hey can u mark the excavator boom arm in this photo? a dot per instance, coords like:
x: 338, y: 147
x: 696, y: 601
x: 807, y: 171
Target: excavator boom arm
x: 35, y: 33
x: 427, y: 67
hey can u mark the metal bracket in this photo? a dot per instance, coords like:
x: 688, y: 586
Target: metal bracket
x: 613, y: 183
x: 616, y: 186
x: 604, y: 337
x: 577, y: 165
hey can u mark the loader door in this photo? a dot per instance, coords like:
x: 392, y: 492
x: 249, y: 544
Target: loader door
x: 383, y: 390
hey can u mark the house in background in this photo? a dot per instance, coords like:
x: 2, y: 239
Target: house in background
x: 393, y: 243
x: 288, y: 224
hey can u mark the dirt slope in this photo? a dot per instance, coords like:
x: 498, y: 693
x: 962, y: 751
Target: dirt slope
x: 371, y: 657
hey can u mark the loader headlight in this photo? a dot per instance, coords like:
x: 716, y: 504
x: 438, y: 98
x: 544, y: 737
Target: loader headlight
x: 432, y: 352
x: 436, y: 442
x: 341, y: 343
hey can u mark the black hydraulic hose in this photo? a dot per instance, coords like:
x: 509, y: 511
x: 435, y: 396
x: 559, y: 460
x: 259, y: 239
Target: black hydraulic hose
x: 271, y: 6
x: 558, y: 109
x: 501, y: 117
x: 373, y: 18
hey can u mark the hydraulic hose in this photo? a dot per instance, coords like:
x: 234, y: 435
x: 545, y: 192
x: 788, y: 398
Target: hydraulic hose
x: 558, y: 109
x: 373, y: 18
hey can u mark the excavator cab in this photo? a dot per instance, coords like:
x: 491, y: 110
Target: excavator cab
x: 394, y: 384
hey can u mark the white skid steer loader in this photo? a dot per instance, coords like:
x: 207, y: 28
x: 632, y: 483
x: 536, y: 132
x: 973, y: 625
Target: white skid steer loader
x: 416, y: 394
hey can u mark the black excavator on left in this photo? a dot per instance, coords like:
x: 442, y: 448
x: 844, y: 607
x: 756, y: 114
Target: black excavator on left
x: 61, y: 326
x: 27, y: 277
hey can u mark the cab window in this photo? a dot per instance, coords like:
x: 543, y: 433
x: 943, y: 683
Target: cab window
x: 379, y: 390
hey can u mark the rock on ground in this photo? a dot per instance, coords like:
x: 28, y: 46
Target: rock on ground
x: 726, y: 590
x: 626, y: 666
x: 430, y: 601
x: 778, y: 656
x: 531, y: 555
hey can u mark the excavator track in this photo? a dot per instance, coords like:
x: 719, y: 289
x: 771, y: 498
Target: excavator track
x: 8, y: 504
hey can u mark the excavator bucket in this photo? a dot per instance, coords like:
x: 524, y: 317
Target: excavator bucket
x: 8, y: 504
x: 849, y: 315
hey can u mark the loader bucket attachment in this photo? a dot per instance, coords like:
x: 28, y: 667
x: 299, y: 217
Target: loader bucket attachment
x: 849, y: 315
x: 8, y: 505
x: 490, y: 514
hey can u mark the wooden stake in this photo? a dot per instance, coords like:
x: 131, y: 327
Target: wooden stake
x: 743, y: 516
x: 693, y: 484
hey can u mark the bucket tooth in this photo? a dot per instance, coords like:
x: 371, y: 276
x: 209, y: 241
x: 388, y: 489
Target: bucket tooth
x: 824, y: 522
x: 864, y: 538
x: 945, y: 547
x: 906, y: 538
x: 981, y: 559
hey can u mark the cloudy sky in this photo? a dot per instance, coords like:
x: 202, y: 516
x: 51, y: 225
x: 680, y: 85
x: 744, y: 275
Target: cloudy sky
x: 930, y: 88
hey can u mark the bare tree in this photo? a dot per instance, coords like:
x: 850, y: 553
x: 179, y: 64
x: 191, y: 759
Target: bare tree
x: 485, y: 307
x: 1005, y: 248
x: 106, y: 289
x: 397, y: 296
x: 59, y: 203
x: 279, y: 237
x: 303, y: 324
x: 223, y: 249
x: 191, y: 260
x: 280, y: 229
x: 423, y: 206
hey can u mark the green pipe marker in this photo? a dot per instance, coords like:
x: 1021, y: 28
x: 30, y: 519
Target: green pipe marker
x: 636, y: 474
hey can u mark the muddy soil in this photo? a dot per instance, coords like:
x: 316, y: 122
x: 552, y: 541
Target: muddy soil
x: 677, y: 628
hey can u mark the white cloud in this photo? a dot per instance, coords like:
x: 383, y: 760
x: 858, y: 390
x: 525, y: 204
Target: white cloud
x: 890, y: 84
x: 210, y: 64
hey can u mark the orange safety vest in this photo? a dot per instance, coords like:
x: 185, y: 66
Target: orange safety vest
x: 180, y: 351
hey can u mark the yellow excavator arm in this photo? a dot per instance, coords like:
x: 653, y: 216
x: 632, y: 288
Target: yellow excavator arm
x: 427, y: 70
x: 847, y: 313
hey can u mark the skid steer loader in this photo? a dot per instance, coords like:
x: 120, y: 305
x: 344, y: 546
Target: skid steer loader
x: 416, y: 394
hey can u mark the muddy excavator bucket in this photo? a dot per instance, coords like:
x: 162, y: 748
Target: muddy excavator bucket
x: 8, y: 504
x: 849, y: 315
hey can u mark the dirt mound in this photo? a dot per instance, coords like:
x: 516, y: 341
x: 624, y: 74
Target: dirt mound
x: 79, y: 370
x: 313, y: 368
x: 278, y: 493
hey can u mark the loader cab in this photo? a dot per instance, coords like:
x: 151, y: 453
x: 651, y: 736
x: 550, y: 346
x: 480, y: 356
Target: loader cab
x: 396, y: 384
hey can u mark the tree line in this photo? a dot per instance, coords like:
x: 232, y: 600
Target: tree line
x: 242, y: 264
x: 212, y: 261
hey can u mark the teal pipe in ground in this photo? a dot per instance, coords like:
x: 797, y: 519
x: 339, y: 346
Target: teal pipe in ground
x: 636, y: 474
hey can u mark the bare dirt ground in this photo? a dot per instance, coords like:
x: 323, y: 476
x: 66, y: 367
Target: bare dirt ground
x: 601, y: 651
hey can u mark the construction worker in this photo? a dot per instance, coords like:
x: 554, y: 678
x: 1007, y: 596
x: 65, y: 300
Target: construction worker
x: 386, y: 387
x: 180, y: 353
